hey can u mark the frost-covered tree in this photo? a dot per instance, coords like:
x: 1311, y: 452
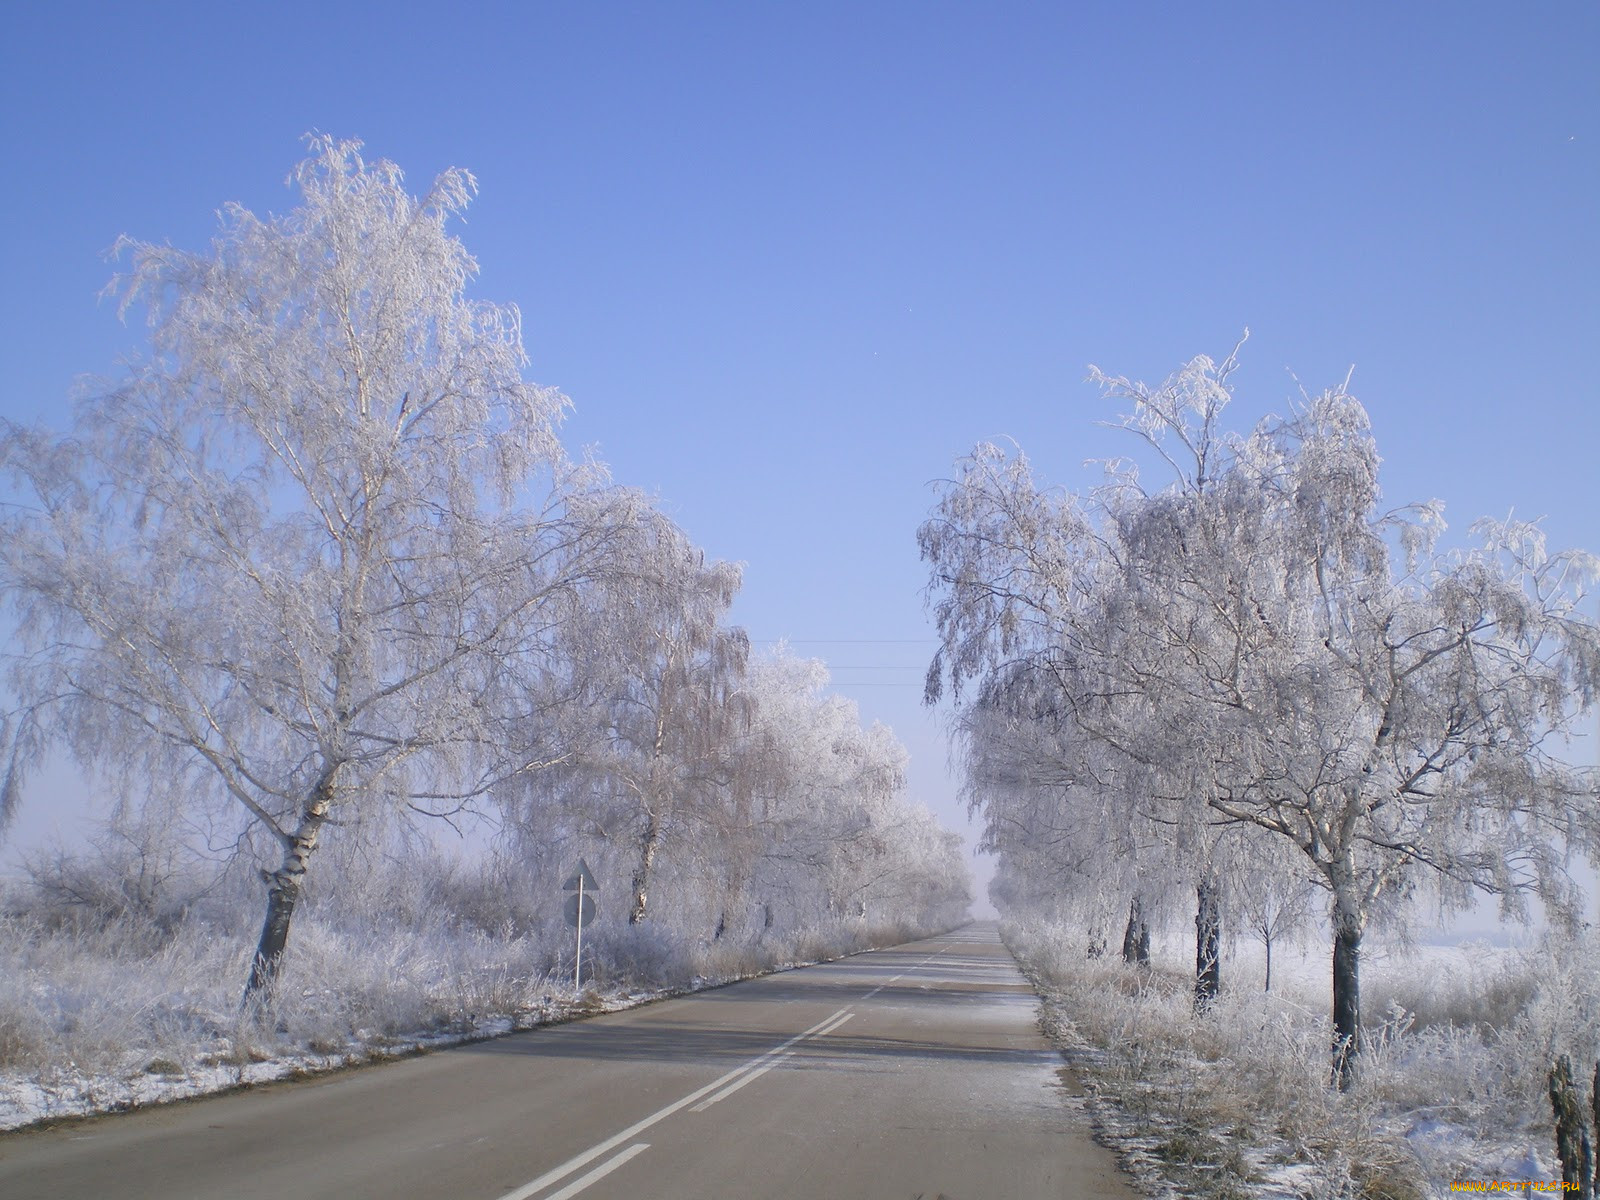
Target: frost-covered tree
x: 1386, y: 709
x: 1054, y: 812
x: 837, y: 838
x: 763, y: 808
x: 815, y: 788
x: 1261, y: 631
x: 650, y: 722
x: 1272, y: 898
x: 1033, y: 606
x: 305, y: 558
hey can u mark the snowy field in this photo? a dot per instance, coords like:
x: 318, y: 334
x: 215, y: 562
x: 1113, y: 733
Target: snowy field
x: 1236, y: 1104
x: 119, y: 1016
x: 243, y: 1058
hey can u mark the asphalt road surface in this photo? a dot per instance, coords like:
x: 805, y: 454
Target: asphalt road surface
x: 911, y: 1072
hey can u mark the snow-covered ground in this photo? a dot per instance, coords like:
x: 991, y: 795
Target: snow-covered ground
x: 115, y: 1016
x: 244, y: 1059
x: 1236, y: 1104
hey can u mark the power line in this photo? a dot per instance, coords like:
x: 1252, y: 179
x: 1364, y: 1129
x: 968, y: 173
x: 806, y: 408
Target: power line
x: 852, y: 686
x: 848, y: 641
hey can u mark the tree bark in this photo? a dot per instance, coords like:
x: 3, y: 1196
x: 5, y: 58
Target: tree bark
x: 1572, y: 1138
x: 1207, y: 945
x: 1136, y: 938
x: 283, y: 892
x: 1594, y: 1103
x: 1267, y: 942
x: 1346, y: 1001
x: 649, y: 845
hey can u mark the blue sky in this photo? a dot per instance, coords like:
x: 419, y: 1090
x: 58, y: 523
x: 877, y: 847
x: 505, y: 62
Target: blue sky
x: 790, y: 261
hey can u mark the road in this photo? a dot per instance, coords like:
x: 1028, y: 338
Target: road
x: 911, y: 1072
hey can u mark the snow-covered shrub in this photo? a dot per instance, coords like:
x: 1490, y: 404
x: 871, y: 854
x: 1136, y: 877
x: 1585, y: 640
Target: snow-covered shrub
x: 100, y: 1008
x: 132, y: 869
x: 1242, y: 1092
x: 1473, y: 986
x: 97, y: 999
x: 636, y: 956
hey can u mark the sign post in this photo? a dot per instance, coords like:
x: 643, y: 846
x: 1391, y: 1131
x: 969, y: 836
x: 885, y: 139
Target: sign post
x: 577, y: 959
x: 579, y: 908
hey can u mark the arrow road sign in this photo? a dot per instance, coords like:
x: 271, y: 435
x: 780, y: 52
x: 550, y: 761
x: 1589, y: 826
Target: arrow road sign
x: 581, y: 880
x: 570, y: 909
x: 578, y: 909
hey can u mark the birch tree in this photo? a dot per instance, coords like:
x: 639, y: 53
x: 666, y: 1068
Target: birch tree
x: 1323, y: 674
x: 836, y: 835
x: 1054, y: 812
x: 652, y: 717
x: 1033, y: 602
x: 1388, y: 710
x: 306, y: 556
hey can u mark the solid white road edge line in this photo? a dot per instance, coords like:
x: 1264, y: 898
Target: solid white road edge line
x: 611, y: 1143
x: 762, y: 1070
x: 600, y: 1172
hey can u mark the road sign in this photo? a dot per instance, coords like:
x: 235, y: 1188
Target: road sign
x: 581, y: 880
x: 572, y: 909
x: 578, y: 909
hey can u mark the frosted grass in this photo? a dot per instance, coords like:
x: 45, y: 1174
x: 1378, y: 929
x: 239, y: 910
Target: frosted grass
x: 1237, y: 1102
x: 117, y: 1014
